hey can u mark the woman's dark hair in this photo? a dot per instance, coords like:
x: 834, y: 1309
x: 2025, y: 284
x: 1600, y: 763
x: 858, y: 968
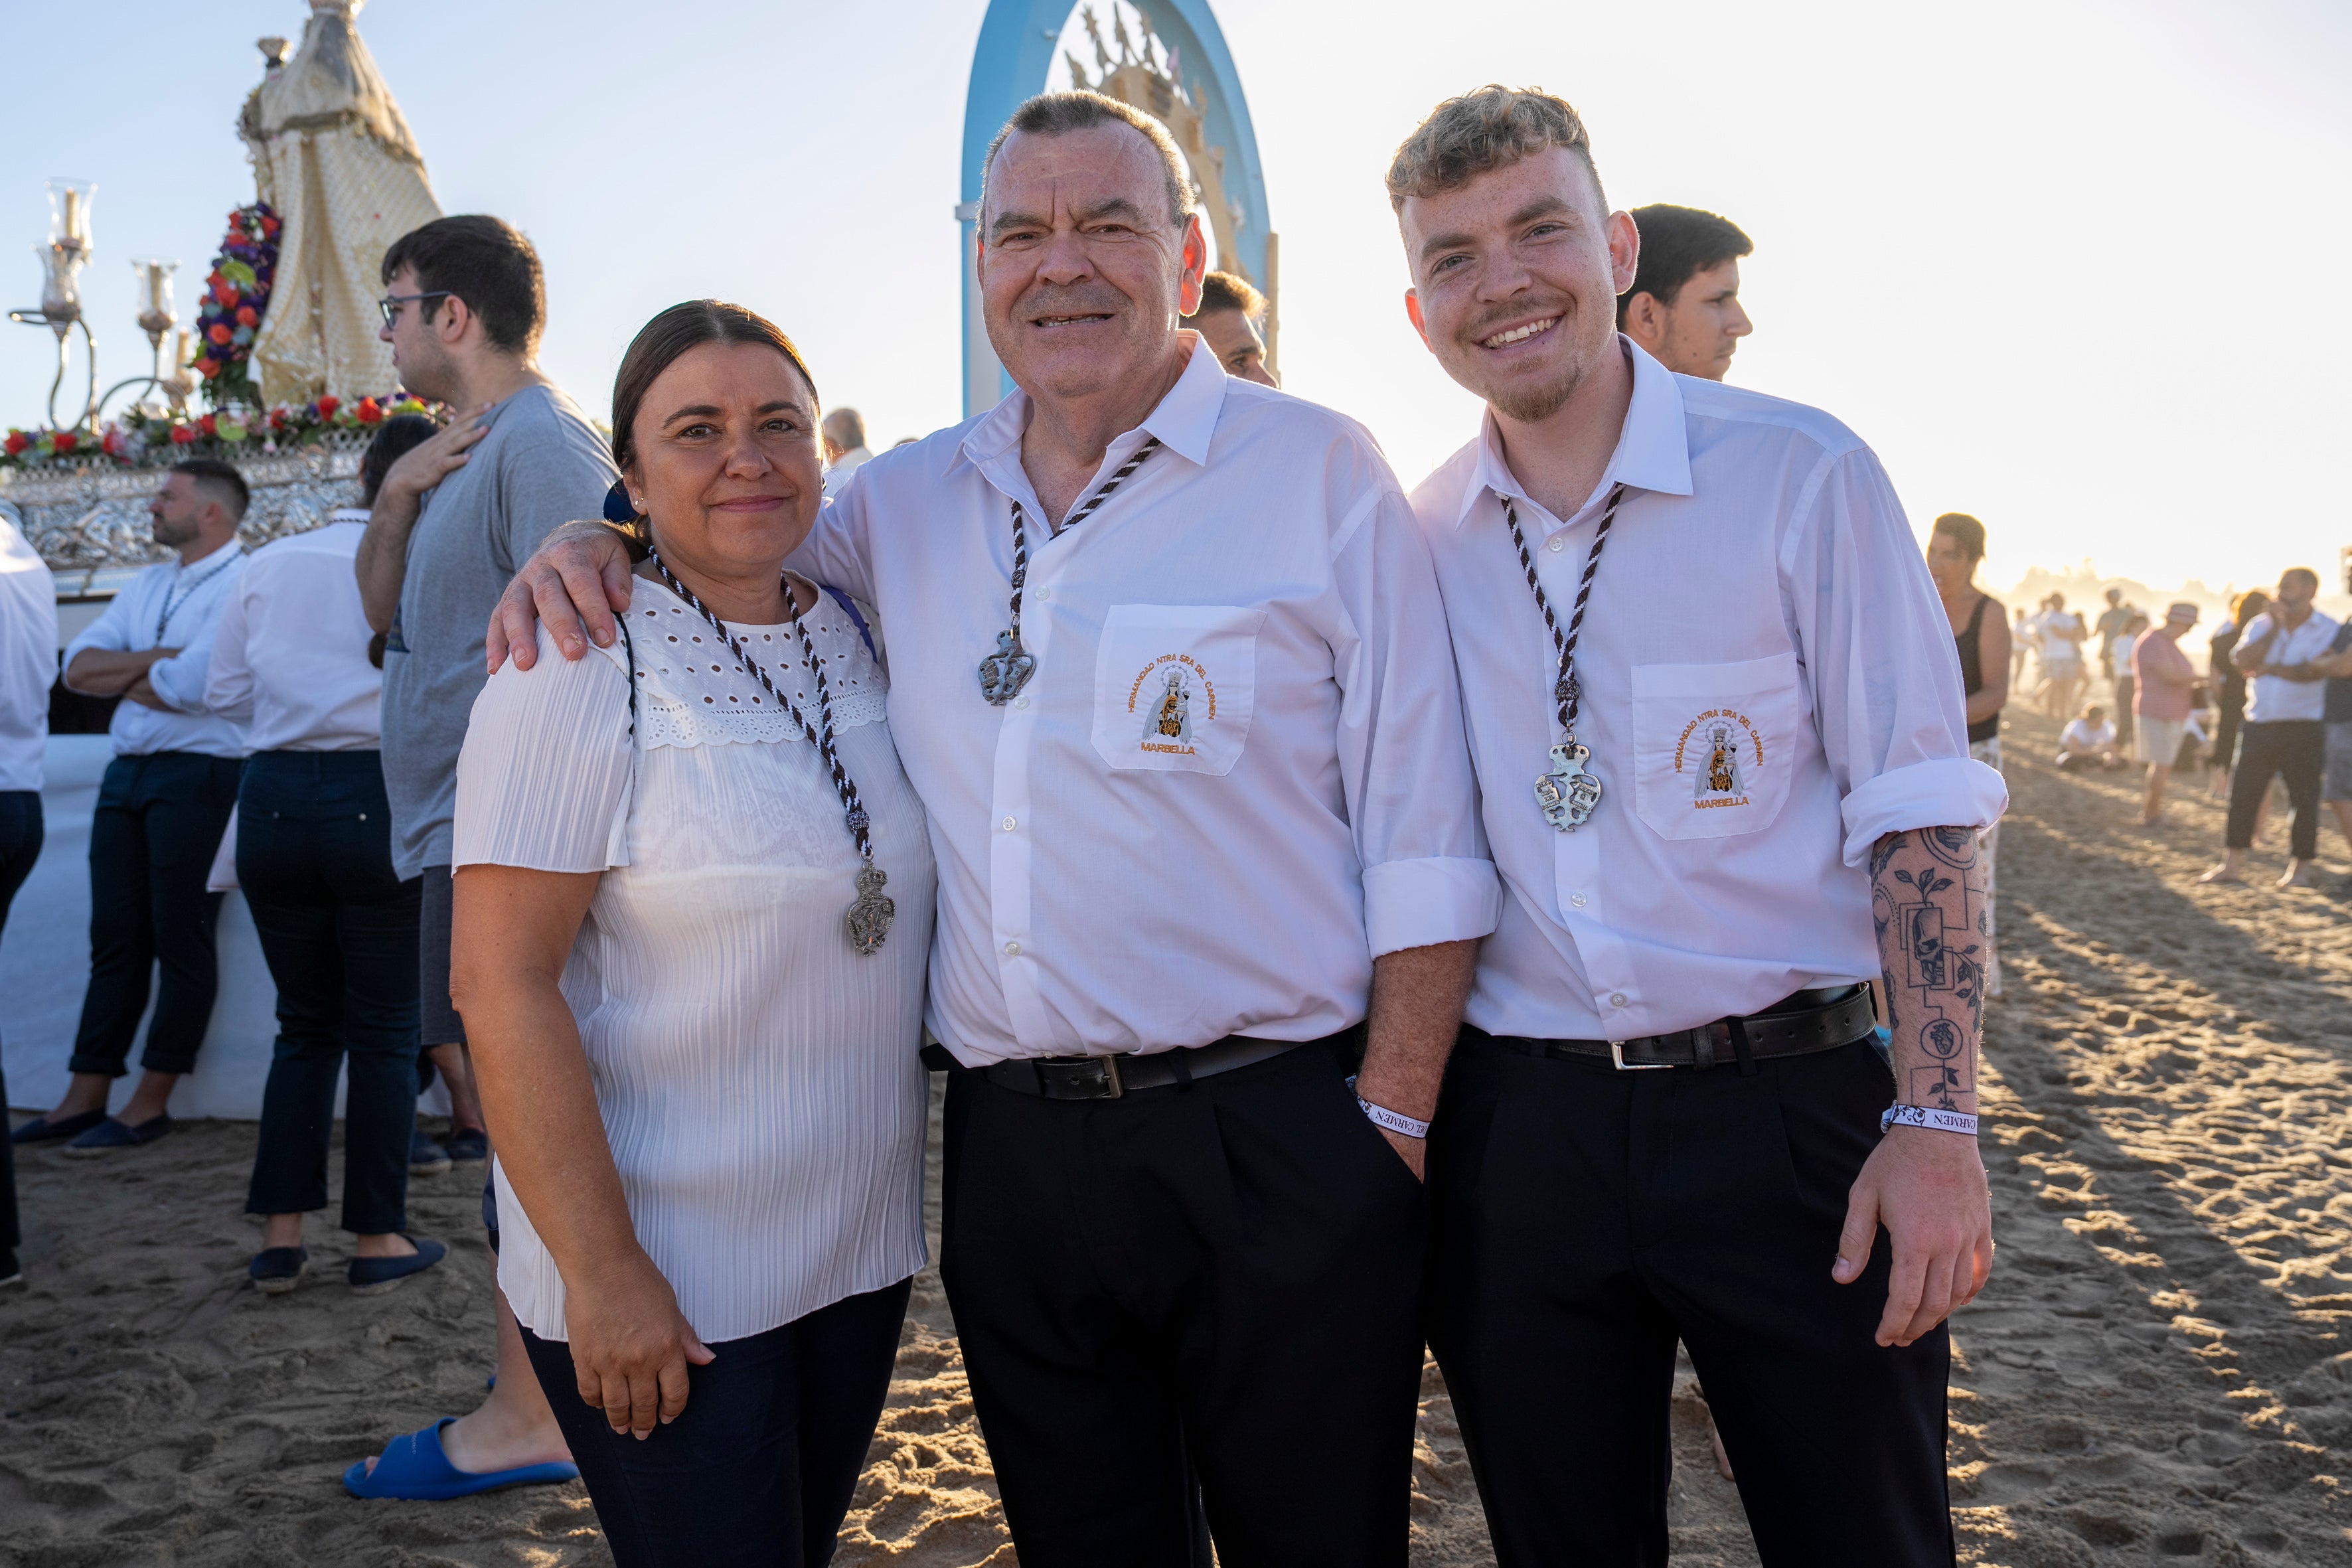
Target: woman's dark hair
x: 401, y: 433
x: 1967, y: 534
x: 661, y: 341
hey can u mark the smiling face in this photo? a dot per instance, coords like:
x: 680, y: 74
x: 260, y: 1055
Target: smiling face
x: 724, y: 461
x: 1515, y: 276
x: 1083, y: 269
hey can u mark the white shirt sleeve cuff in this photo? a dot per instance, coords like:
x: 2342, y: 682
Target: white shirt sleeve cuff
x: 1947, y: 792
x: 1420, y: 903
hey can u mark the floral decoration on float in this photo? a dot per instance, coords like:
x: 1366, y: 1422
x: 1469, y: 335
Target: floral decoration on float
x: 236, y: 296
x: 147, y: 435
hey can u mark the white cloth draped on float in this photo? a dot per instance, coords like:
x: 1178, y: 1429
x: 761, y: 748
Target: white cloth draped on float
x: 332, y: 155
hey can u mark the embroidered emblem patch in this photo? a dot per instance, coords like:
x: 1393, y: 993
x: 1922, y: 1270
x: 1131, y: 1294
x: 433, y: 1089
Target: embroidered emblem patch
x: 1721, y: 751
x: 1169, y: 699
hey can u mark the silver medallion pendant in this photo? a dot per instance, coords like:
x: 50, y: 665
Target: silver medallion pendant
x: 870, y: 916
x: 1003, y: 673
x: 1568, y: 793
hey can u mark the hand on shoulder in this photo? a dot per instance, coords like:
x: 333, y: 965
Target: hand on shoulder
x: 580, y: 577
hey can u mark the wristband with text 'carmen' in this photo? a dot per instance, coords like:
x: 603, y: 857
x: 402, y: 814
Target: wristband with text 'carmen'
x: 1394, y: 1120
x: 1930, y: 1117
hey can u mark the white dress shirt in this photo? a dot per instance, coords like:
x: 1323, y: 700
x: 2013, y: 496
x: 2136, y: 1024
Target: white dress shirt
x: 759, y: 1079
x: 1769, y: 685
x: 1103, y: 887
x: 2275, y: 698
x: 290, y: 658
x: 848, y: 463
x: 28, y: 658
x: 170, y: 605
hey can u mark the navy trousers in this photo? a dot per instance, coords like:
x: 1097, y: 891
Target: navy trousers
x: 20, y: 846
x: 759, y: 1470
x: 339, y: 929
x: 151, y: 840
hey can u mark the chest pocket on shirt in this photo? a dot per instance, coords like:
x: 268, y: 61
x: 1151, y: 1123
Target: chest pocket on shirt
x: 1175, y: 685
x: 1713, y: 744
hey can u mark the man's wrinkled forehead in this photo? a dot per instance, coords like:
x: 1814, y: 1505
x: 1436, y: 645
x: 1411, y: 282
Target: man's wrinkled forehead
x: 1081, y: 173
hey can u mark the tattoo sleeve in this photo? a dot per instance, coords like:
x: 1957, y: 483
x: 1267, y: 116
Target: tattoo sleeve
x: 1928, y: 897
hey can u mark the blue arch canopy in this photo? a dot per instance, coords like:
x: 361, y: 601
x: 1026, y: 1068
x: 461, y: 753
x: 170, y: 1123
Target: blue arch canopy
x: 1017, y: 40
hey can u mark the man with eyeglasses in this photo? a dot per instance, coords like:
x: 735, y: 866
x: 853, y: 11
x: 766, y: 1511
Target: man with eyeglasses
x: 463, y: 308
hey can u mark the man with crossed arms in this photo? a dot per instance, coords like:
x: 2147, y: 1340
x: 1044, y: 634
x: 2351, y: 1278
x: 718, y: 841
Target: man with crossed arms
x: 1664, y: 1116
x: 1189, y: 745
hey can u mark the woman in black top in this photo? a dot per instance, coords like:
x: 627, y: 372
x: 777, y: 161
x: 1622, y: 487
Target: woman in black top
x: 2231, y: 684
x: 1980, y: 631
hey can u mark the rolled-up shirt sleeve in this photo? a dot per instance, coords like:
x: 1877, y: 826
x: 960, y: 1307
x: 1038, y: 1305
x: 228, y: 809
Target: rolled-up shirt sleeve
x: 1880, y: 662
x: 111, y: 633
x: 1412, y: 800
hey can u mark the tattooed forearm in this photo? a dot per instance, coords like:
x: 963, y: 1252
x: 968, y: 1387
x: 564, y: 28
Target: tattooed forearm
x: 1928, y: 901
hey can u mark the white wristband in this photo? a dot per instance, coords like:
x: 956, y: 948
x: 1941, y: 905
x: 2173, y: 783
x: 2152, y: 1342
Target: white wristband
x: 1929, y: 1117
x: 1394, y: 1120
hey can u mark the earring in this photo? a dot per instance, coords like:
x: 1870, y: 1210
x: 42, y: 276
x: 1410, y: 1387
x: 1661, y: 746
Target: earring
x: 618, y: 506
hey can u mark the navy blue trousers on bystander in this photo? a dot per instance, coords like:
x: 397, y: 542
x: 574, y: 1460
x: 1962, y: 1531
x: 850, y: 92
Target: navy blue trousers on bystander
x: 339, y: 929
x: 20, y: 846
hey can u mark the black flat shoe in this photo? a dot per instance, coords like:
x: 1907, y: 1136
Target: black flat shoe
x: 278, y: 1270
x: 10, y: 1274
x: 109, y: 1135
x: 374, y: 1275
x: 41, y: 1130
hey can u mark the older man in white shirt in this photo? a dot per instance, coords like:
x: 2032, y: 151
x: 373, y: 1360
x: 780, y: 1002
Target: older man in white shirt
x: 1717, y: 724
x: 165, y: 799
x: 28, y: 668
x: 1168, y: 669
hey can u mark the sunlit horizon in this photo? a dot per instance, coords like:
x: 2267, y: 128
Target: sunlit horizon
x: 2022, y: 255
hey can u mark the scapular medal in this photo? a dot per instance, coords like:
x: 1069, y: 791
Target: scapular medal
x: 1003, y: 673
x: 870, y: 916
x: 1570, y: 792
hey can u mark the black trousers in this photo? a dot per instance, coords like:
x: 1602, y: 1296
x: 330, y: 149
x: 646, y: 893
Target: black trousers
x: 2125, y: 684
x: 339, y: 929
x: 1585, y: 1219
x: 759, y: 1470
x: 20, y: 846
x: 1231, y: 1270
x: 151, y: 840
x: 2293, y: 749
x: 2232, y: 703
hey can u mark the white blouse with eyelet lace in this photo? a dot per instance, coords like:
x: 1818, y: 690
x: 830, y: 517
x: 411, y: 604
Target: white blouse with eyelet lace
x: 759, y: 1079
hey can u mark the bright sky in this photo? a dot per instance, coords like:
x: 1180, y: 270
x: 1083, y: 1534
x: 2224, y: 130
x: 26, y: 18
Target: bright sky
x: 2061, y: 263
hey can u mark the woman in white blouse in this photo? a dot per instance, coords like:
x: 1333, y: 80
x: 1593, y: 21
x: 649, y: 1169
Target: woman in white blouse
x: 692, y: 912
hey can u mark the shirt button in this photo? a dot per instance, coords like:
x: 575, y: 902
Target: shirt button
x: 1008, y: 824
x: 1558, y: 542
x: 1616, y: 998
x: 1021, y: 702
x: 1043, y: 595
x: 1011, y: 950
x: 1577, y: 899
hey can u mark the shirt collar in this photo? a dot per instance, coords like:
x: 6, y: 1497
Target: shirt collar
x: 1185, y: 419
x: 1652, y: 449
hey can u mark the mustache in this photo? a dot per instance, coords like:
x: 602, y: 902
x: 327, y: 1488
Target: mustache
x: 1493, y: 321
x: 1084, y: 299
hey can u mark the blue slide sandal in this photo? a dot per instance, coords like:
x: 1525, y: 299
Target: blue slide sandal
x: 413, y: 1468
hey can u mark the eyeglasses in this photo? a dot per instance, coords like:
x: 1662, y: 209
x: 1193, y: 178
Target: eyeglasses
x: 391, y: 303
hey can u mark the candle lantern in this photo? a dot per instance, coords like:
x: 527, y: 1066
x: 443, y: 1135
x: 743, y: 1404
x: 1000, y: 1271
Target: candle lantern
x: 70, y: 202
x: 156, y: 316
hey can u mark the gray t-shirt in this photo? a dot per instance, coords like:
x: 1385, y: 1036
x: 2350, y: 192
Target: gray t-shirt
x: 540, y: 465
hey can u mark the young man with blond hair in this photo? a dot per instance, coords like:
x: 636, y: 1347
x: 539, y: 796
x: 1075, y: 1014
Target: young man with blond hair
x: 1717, y: 723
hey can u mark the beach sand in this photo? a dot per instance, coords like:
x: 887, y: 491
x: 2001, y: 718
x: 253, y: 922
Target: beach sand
x: 2156, y: 1372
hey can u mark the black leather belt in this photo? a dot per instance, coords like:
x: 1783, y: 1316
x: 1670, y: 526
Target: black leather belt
x: 1112, y: 1076
x: 1797, y: 1026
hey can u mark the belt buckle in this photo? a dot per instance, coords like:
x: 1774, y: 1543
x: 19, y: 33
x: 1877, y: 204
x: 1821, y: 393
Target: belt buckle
x: 1093, y: 1071
x: 1617, y: 1059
